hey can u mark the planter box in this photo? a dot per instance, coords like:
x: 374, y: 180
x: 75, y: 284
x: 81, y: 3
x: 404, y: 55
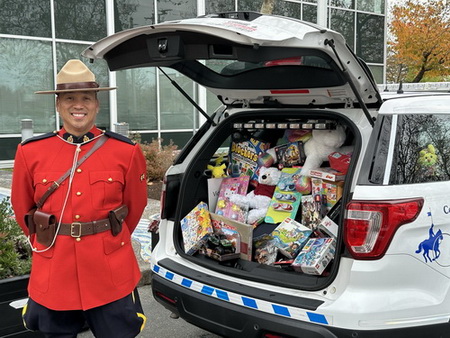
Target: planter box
x: 11, y: 325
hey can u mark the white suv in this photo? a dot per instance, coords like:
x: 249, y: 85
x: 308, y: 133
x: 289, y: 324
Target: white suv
x: 389, y: 276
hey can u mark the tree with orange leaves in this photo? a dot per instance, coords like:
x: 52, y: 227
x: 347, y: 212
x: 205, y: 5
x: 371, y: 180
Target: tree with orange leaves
x: 419, y: 48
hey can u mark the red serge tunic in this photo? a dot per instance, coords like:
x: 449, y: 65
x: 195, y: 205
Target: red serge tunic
x: 95, y: 269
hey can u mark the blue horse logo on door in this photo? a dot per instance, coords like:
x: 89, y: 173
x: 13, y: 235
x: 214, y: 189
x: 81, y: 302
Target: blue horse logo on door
x: 431, y: 244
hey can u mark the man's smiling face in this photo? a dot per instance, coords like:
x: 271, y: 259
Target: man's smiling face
x: 78, y: 110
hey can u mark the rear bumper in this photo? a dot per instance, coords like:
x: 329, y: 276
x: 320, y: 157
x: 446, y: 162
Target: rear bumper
x: 199, y: 305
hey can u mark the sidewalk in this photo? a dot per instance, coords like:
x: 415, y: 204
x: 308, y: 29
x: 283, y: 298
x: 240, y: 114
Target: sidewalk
x: 141, y: 238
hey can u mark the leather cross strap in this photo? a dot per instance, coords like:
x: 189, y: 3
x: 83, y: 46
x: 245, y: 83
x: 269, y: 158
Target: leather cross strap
x: 77, y: 229
x: 55, y: 184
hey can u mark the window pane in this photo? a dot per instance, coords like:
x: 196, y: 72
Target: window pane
x: 176, y: 111
x: 370, y: 37
x: 25, y: 17
x: 180, y: 139
x: 136, y: 98
x: 80, y: 19
x: 310, y: 13
x: 249, y: 5
x: 170, y: 10
x: 343, y: 3
x: 374, y: 6
x: 133, y: 13
x: 217, y: 6
x: 290, y: 9
x: 344, y: 23
x: 377, y: 72
x: 67, y: 51
x: 417, y: 136
x: 20, y: 79
x: 212, y: 103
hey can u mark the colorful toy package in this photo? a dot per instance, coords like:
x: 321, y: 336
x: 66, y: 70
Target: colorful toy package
x: 311, y: 212
x: 286, y: 200
x: 290, y: 237
x: 328, y: 174
x: 244, y: 158
x: 195, y: 227
x: 266, y: 251
x: 331, y: 191
x: 228, y: 187
x: 240, y: 234
x: 315, y: 256
x: 290, y: 154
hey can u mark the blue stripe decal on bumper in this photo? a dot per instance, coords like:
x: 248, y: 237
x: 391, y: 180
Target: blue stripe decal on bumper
x: 244, y: 301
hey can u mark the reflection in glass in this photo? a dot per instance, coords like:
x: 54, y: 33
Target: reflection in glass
x: 377, y: 72
x: 25, y: 17
x: 136, y: 98
x: 414, y: 136
x: 67, y: 51
x: 343, y: 3
x: 370, y: 37
x: 179, y: 139
x: 80, y: 19
x: 133, y: 13
x: 217, y: 6
x: 176, y: 111
x: 344, y: 23
x: 374, y: 6
x: 26, y: 67
x: 175, y: 10
x: 249, y: 5
x: 310, y: 13
x: 286, y: 8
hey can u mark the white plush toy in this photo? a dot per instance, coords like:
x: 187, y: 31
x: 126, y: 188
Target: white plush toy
x: 320, y: 145
x: 258, y: 200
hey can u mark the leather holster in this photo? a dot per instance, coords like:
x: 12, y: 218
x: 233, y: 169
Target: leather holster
x: 45, y: 227
x: 116, y: 218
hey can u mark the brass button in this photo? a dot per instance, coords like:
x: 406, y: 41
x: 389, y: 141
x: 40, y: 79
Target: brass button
x: 78, y: 239
x: 123, y: 243
x: 44, y: 180
x: 78, y: 193
x: 79, y: 170
x: 77, y: 216
x: 110, y: 179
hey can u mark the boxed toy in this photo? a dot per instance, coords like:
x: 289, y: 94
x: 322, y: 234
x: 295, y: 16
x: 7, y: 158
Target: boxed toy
x: 331, y: 191
x: 311, y: 211
x: 328, y: 174
x: 290, y: 236
x: 286, y: 199
x: 195, y: 227
x: 315, y: 256
x: 328, y: 225
x: 240, y: 234
x: 228, y: 187
x: 290, y: 154
x: 244, y: 158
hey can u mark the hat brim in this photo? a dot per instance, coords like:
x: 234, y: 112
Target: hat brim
x: 75, y: 90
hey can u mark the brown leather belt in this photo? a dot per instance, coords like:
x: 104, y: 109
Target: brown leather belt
x: 77, y: 229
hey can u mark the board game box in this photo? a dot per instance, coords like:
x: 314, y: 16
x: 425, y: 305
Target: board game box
x: 195, y: 226
x: 290, y: 236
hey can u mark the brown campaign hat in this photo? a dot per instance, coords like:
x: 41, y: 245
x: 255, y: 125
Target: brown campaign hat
x: 75, y: 76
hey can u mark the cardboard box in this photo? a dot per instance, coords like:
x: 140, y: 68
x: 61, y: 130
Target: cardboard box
x: 328, y: 174
x: 331, y: 191
x: 195, y: 226
x: 290, y: 236
x: 315, y: 256
x: 240, y: 234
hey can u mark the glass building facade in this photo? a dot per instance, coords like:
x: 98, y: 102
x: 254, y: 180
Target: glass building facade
x: 38, y: 36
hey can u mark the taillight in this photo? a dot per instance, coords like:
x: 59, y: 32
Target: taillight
x: 371, y: 225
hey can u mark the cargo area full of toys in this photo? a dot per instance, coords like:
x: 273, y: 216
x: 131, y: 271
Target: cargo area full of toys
x: 274, y: 204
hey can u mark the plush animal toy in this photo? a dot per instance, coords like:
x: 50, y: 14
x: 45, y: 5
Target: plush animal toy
x: 258, y: 200
x: 427, y: 160
x: 320, y: 145
x: 218, y: 170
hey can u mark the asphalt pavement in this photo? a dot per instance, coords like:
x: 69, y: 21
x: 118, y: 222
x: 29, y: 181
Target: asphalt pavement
x: 159, y: 323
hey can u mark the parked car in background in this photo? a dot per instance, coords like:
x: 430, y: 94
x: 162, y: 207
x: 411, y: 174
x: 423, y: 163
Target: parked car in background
x: 385, y: 271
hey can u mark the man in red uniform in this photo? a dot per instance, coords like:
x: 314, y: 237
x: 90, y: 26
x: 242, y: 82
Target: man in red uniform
x: 87, y: 272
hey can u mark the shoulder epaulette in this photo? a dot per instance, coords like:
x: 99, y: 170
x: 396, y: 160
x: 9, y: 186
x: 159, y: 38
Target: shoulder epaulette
x: 39, y: 137
x: 119, y: 137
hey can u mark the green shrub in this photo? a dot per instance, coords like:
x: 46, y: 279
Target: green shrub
x: 158, y: 158
x: 15, y: 255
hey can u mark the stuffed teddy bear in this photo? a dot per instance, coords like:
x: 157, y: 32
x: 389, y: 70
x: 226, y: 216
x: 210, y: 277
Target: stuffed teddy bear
x: 321, y: 144
x: 258, y: 200
x: 218, y: 170
x: 427, y: 160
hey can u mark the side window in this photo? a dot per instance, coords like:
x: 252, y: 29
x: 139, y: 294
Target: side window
x: 422, y: 152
